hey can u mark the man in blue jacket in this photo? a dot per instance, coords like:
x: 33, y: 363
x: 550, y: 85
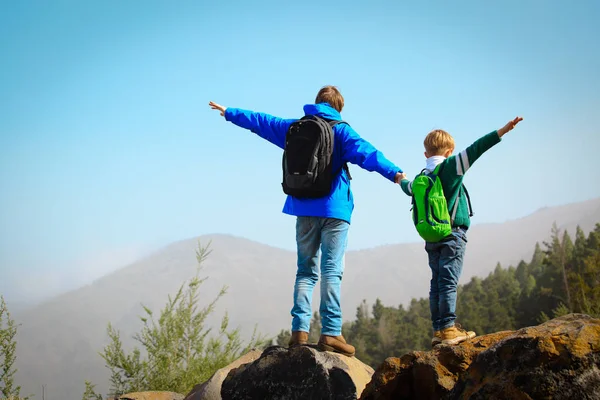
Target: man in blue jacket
x: 321, y: 222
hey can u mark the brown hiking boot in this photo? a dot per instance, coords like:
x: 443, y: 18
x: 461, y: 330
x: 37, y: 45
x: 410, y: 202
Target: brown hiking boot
x: 336, y: 344
x: 455, y: 335
x: 436, y: 339
x: 298, y: 338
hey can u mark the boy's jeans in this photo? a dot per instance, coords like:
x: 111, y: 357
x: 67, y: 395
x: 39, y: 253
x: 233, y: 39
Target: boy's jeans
x: 446, y: 262
x: 331, y: 236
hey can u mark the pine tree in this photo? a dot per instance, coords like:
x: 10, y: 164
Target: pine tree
x: 566, y: 251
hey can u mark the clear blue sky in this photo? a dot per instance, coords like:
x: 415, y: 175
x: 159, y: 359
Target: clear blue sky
x: 108, y: 148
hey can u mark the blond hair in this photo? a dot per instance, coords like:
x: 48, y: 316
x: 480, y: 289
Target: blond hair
x: 437, y: 142
x: 330, y: 94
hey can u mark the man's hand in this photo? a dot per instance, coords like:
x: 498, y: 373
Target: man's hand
x: 399, y: 176
x: 219, y: 107
x: 508, y: 127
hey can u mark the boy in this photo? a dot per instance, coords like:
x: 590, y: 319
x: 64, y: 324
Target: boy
x: 321, y: 222
x: 446, y: 256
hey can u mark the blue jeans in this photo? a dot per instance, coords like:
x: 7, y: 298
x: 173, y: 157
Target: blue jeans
x: 446, y: 263
x: 330, y: 236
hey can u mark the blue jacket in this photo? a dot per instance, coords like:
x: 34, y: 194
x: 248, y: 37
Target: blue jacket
x: 348, y: 147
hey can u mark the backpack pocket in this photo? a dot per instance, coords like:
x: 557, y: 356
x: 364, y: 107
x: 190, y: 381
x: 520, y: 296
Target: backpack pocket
x: 438, y: 210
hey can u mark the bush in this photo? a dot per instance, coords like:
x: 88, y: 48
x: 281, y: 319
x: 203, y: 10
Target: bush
x: 179, y: 351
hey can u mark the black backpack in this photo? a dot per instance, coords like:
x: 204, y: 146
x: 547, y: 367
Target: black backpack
x: 307, y: 170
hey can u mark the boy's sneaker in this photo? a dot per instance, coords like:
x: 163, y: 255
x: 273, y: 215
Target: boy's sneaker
x: 298, y: 338
x: 336, y: 344
x: 455, y: 335
x: 436, y: 339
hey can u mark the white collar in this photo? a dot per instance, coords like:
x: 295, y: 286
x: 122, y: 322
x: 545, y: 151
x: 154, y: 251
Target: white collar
x: 433, y: 162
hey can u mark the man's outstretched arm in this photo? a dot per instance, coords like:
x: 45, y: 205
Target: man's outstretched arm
x: 362, y: 153
x: 264, y: 125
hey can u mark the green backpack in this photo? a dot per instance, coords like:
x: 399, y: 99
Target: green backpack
x: 429, y: 207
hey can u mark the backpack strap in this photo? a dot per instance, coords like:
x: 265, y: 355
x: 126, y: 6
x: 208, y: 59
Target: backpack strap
x: 436, y: 171
x: 463, y: 189
x: 345, y: 166
x: 468, y: 200
x: 412, y: 197
x: 434, y: 174
x: 333, y: 123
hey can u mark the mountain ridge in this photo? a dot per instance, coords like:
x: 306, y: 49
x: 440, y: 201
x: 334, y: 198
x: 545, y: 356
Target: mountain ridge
x: 59, y: 340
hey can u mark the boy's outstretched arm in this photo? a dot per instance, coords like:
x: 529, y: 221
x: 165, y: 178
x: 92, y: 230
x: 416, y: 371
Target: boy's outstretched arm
x: 264, y: 125
x: 509, y: 127
x: 466, y: 158
x: 362, y: 153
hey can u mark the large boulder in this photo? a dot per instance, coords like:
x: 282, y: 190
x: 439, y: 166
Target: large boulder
x: 559, y: 359
x: 301, y: 372
x: 211, y: 389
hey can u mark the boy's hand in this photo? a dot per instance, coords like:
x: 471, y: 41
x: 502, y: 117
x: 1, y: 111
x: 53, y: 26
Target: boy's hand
x: 219, y: 107
x: 399, y: 176
x: 508, y: 127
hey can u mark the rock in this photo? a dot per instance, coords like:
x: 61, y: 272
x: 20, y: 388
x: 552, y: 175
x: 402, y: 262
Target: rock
x: 559, y: 359
x: 150, y: 396
x: 301, y: 372
x: 211, y: 389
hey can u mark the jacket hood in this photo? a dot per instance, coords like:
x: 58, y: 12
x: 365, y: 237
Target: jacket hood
x: 323, y: 110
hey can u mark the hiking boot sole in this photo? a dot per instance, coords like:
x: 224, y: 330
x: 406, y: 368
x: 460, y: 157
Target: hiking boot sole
x: 456, y: 340
x: 459, y: 339
x: 324, y: 347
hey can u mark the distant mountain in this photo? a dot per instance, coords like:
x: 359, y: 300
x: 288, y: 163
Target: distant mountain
x: 59, y: 340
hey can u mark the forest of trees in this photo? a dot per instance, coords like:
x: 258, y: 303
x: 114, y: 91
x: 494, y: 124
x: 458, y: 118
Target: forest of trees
x: 563, y: 276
